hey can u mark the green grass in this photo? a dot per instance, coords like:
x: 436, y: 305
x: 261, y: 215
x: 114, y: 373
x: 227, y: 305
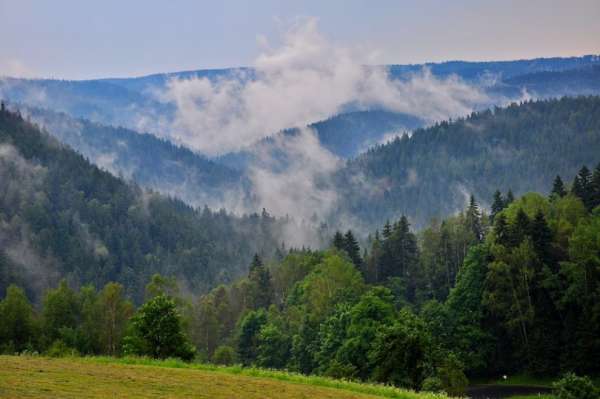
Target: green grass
x: 36, y: 377
x: 532, y: 397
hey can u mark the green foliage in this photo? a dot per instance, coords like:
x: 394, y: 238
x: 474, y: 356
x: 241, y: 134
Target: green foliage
x: 18, y: 327
x: 273, y: 347
x: 432, y: 384
x: 156, y: 331
x: 83, y: 224
x: 248, y: 339
x: 401, y: 352
x: 60, y: 349
x: 522, y: 146
x: 224, y: 355
x: 572, y: 386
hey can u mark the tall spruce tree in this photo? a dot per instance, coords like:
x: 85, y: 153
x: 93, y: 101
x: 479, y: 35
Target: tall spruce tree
x: 582, y: 187
x: 510, y: 198
x: 498, y: 205
x: 558, y: 188
x: 473, y: 219
x: 338, y: 240
x: 595, y: 190
x: 352, y: 249
x: 262, y: 293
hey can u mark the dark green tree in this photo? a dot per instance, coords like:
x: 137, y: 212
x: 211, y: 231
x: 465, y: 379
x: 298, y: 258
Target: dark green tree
x: 353, y: 249
x: 338, y: 240
x: 498, y: 204
x: 558, y: 187
x: 262, y: 294
x: 248, y: 339
x: 156, y: 330
x: 18, y: 329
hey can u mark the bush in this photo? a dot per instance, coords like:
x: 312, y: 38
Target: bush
x: 452, y: 376
x: 60, y: 349
x: 156, y: 331
x: 572, y: 386
x: 224, y: 355
x: 432, y: 384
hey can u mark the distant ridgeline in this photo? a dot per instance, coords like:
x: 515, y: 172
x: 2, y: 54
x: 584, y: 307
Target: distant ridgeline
x: 146, y: 159
x: 431, y: 173
x: 60, y: 216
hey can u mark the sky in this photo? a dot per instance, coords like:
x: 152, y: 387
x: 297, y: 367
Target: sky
x: 73, y: 39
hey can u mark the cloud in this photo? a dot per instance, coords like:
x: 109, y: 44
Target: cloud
x: 306, y: 78
x: 292, y: 176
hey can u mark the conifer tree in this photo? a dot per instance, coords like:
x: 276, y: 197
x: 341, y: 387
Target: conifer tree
x: 582, y: 187
x: 338, y: 240
x: 541, y: 236
x: 387, y: 230
x: 558, y: 187
x: 497, y: 205
x: 595, y: 187
x: 473, y: 219
x: 352, y: 248
x: 519, y: 229
x: 510, y: 198
x: 262, y: 288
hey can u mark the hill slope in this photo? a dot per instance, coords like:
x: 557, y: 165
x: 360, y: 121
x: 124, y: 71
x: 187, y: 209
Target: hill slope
x: 431, y: 173
x: 60, y: 216
x: 144, y: 158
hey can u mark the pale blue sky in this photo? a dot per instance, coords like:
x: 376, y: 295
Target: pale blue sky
x: 85, y: 39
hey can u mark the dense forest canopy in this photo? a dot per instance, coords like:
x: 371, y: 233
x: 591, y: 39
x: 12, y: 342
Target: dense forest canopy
x: 60, y: 217
x: 476, y: 295
x: 431, y: 172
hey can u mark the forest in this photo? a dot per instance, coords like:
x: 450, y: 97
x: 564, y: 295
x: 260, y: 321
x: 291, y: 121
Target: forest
x: 475, y: 295
x: 62, y: 217
x: 431, y: 172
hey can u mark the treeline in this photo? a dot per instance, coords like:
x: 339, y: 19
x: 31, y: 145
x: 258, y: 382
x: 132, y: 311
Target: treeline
x: 473, y: 296
x: 426, y: 174
x: 61, y: 217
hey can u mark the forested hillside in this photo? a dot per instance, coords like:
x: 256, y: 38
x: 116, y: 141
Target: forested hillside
x: 345, y: 135
x: 144, y: 158
x: 474, y: 296
x: 513, y: 291
x: 60, y: 216
x: 431, y: 173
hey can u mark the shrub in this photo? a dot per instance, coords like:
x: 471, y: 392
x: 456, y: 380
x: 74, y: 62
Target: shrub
x: 224, y: 355
x: 572, y: 386
x: 60, y: 349
x: 432, y: 384
x: 452, y: 376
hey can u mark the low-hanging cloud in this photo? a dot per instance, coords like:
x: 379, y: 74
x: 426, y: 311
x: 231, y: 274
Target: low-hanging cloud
x: 306, y: 79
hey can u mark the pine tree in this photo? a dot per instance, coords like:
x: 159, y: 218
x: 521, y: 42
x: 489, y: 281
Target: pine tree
x: 497, y: 205
x: 595, y: 187
x: 387, y: 230
x: 541, y: 236
x: 519, y: 229
x: 501, y: 230
x: 582, y: 187
x: 473, y: 219
x: 510, y: 198
x: 558, y: 188
x: 338, y: 240
x: 262, y: 293
x: 352, y: 248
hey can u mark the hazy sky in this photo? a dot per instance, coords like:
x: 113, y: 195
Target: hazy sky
x: 86, y: 39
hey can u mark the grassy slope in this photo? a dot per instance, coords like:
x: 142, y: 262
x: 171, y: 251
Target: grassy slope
x: 28, y: 377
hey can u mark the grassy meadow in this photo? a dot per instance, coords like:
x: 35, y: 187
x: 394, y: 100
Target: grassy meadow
x: 100, y: 377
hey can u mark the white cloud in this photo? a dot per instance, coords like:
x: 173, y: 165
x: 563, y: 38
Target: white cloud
x: 305, y: 79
